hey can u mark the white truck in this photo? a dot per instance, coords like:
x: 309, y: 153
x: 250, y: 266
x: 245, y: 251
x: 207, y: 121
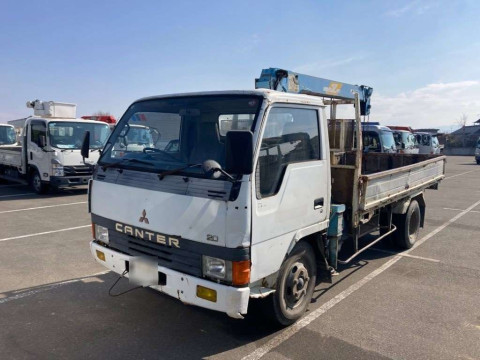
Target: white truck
x: 48, y: 153
x: 377, y: 138
x: 428, y: 143
x: 252, y: 208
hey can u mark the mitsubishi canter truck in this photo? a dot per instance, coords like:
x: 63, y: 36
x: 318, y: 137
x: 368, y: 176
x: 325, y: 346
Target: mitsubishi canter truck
x: 48, y: 151
x: 261, y: 191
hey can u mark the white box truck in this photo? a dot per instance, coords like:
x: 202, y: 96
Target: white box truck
x: 48, y: 151
x: 259, y: 191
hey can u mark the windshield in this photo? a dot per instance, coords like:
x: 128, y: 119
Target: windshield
x: 435, y: 141
x: 404, y: 138
x: 174, y: 132
x: 388, y: 141
x: 7, y: 135
x: 69, y: 135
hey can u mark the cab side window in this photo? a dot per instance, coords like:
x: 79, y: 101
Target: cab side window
x: 38, y: 128
x: 291, y: 135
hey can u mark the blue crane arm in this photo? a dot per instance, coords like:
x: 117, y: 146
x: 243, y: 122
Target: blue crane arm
x: 289, y: 81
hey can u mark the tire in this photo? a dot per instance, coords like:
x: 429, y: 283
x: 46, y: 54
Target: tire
x: 36, y: 183
x: 478, y: 162
x: 408, y: 226
x: 290, y: 301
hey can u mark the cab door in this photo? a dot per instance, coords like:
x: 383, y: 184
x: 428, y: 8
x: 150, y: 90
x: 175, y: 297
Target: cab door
x: 37, y: 155
x: 291, y: 186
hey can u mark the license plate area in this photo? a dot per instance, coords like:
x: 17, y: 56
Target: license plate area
x: 143, y: 271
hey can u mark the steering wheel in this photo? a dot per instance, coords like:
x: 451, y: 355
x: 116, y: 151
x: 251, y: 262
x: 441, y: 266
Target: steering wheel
x: 158, y: 151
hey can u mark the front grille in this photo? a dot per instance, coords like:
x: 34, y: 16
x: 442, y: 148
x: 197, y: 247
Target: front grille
x: 80, y: 170
x: 185, y: 261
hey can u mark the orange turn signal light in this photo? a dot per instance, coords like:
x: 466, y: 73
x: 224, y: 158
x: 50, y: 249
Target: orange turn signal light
x: 93, y: 230
x: 206, y: 293
x: 241, y: 272
x: 100, y: 255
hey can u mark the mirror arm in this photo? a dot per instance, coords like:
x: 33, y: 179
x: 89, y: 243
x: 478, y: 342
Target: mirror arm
x: 227, y: 175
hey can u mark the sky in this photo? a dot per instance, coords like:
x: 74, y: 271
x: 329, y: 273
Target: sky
x: 421, y: 57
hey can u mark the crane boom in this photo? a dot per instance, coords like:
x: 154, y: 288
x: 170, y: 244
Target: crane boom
x: 291, y: 82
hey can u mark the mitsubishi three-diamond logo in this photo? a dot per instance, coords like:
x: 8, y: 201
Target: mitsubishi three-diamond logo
x: 144, y: 218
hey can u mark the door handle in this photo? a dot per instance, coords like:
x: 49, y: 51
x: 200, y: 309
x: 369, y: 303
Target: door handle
x: 317, y: 203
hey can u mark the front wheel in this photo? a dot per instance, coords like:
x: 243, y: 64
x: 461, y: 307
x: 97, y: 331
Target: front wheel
x: 408, y: 226
x: 37, y: 185
x: 295, y: 285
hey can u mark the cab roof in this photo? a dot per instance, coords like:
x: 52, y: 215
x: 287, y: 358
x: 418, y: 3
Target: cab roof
x: 368, y: 126
x: 270, y: 95
x: 79, y: 120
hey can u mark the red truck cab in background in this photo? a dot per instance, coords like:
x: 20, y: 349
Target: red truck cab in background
x: 109, y: 119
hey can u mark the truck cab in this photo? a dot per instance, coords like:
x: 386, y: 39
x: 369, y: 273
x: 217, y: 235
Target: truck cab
x: 378, y: 138
x: 211, y: 223
x: 427, y: 143
x: 405, y: 142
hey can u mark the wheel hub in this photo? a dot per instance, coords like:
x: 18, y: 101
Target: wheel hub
x: 296, y: 285
x: 413, y: 225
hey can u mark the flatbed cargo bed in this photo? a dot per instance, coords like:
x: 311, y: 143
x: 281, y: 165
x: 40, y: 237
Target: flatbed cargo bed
x: 11, y: 156
x: 381, y: 188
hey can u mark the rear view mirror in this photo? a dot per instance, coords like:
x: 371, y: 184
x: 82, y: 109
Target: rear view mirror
x: 85, y: 151
x: 239, y: 152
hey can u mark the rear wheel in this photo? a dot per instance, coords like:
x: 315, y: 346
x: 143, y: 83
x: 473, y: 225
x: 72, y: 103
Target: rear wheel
x: 295, y: 285
x: 37, y: 185
x: 408, y: 226
x: 478, y: 162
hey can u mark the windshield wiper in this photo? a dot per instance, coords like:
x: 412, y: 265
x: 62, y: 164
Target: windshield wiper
x: 162, y: 175
x: 106, y: 166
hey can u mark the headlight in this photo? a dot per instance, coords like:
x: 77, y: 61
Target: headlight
x: 217, y: 268
x: 101, y: 234
x: 57, y: 169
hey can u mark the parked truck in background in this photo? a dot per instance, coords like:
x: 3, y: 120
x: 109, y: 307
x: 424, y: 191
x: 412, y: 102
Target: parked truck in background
x: 405, y: 141
x: 48, y: 153
x: 261, y: 191
x: 428, y: 143
x: 378, y: 138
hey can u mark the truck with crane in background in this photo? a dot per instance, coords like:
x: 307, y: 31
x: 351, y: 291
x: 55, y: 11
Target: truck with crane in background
x: 46, y: 152
x: 261, y: 191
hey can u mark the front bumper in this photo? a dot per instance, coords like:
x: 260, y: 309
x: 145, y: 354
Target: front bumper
x: 230, y: 300
x: 66, y: 181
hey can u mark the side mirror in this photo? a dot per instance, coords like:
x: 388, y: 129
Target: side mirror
x: 239, y: 152
x: 42, y: 140
x: 403, y: 145
x: 85, y: 151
